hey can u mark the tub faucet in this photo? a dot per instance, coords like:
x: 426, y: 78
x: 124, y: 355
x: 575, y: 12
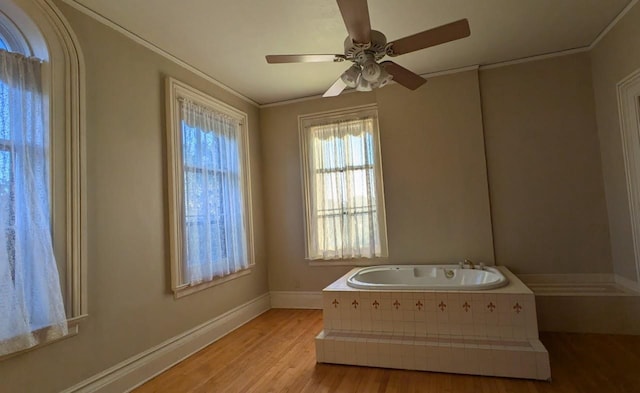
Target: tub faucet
x: 470, y: 263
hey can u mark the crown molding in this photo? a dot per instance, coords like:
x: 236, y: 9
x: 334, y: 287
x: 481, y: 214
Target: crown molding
x: 149, y: 45
x: 613, y: 23
x: 528, y: 59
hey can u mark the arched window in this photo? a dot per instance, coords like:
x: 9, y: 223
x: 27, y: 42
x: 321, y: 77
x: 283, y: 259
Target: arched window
x: 42, y: 212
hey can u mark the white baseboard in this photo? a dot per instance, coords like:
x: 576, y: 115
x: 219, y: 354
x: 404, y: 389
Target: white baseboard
x: 127, y: 375
x: 296, y: 299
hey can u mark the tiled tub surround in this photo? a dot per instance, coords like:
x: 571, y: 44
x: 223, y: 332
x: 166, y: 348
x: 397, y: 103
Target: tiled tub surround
x: 492, y: 332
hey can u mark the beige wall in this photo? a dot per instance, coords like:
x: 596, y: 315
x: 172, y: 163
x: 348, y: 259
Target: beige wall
x: 130, y: 305
x: 615, y: 57
x: 434, y: 177
x: 548, y: 205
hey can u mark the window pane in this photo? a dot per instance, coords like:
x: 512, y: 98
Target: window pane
x: 3, y: 45
x: 361, y: 189
x: 209, y: 150
x: 328, y: 153
x: 357, y: 145
x: 203, y: 219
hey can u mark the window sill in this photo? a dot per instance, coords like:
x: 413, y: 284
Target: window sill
x: 187, y: 289
x: 73, y: 328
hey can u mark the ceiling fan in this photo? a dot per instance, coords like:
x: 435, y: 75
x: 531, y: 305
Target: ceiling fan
x: 365, y: 47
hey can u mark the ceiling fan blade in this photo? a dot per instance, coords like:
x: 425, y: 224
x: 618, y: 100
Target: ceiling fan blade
x: 403, y: 76
x: 355, y: 14
x: 274, y: 59
x: 436, y: 36
x: 335, y: 89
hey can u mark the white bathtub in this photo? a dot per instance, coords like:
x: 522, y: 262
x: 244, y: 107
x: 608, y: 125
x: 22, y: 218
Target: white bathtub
x: 427, y: 277
x: 455, y: 325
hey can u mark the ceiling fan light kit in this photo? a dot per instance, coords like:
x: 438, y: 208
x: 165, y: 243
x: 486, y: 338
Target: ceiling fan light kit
x: 351, y: 75
x: 366, y: 75
x: 366, y: 47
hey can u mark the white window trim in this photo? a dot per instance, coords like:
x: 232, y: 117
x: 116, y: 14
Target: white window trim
x: 13, y: 36
x: 355, y: 111
x: 46, y: 31
x: 629, y: 115
x: 176, y: 90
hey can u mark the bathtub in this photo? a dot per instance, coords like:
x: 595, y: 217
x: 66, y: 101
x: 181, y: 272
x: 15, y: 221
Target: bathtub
x: 427, y: 277
x: 477, y: 321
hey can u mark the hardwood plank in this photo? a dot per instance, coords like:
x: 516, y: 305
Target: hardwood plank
x: 276, y: 353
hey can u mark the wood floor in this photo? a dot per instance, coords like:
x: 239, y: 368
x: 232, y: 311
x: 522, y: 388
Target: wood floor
x: 275, y: 353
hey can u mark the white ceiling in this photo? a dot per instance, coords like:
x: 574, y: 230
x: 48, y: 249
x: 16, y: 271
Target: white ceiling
x: 228, y: 39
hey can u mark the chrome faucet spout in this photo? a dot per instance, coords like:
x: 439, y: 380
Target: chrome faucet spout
x: 470, y: 263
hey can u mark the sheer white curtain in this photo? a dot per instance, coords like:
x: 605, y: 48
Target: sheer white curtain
x: 31, y: 306
x: 214, y: 236
x: 344, y: 205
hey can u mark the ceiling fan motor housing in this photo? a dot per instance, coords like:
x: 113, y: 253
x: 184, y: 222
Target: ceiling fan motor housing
x: 355, y: 51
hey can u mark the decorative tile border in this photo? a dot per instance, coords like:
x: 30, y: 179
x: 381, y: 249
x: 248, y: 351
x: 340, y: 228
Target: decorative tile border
x: 421, y: 314
x: 419, y: 305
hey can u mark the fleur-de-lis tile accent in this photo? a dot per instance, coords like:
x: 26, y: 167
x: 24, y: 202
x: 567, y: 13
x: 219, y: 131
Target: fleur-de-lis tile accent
x: 491, y: 306
x: 517, y: 307
x: 354, y: 303
x: 335, y: 303
x: 375, y: 304
x: 442, y: 305
x: 419, y: 305
x: 396, y: 304
x: 466, y: 306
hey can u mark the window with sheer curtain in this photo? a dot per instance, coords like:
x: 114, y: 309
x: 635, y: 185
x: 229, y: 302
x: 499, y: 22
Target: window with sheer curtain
x: 345, y: 216
x: 31, y: 302
x: 42, y: 198
x: 210, y: 189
